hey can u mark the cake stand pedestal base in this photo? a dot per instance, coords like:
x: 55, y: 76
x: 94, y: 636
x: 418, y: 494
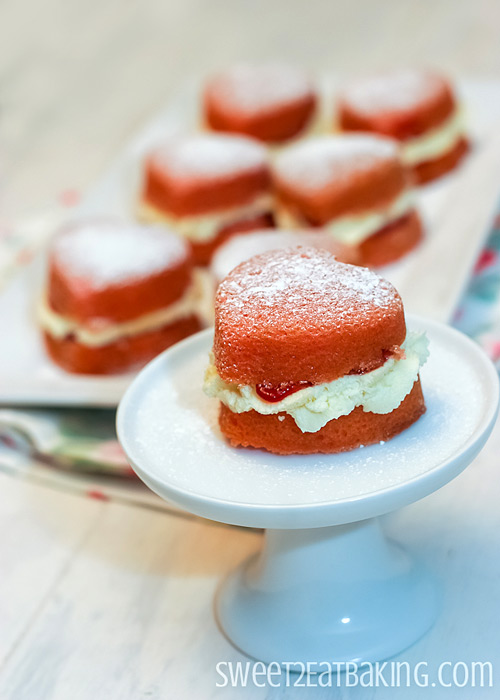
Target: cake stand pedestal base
x: 338, y: 594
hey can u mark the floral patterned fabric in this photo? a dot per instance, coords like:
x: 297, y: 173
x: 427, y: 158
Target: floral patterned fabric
x: 478, y: 314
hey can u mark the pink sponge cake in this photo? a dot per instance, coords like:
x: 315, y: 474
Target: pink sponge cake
x: 272, y: 103
x: 312, y: 355
x: 356, y: 188
x: 208, y: 187
x: 416, y: 107
x: 117, y: 295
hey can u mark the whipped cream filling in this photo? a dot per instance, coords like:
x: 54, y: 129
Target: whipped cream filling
x: 204, y: 228
x: 434, y: 143
x: 379, y: 391
x: 353, y: 230
x: 102, y: 332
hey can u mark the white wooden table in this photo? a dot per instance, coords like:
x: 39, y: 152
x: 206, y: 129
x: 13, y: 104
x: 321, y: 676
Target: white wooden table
x: 101, y: 600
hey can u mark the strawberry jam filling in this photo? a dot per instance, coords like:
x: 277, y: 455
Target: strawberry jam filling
x: 277, y: 392
x: 396, y: 352
x: 272, y: 393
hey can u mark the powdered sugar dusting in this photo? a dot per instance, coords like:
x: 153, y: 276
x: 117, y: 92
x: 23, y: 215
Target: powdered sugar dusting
x: 210, y: 156
x: 242, y: 247
x: 322, y: 161
x: 300, y: 285
x: 106, y: 253
x: 398, y: 91
x: 253, y: 88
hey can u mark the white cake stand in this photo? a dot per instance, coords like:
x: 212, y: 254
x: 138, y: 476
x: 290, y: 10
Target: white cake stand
x: 328, y: 585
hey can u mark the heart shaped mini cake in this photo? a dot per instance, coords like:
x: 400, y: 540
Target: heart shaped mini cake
x: 356, y: 188
x: 117, y: 295
x: 312, y: 355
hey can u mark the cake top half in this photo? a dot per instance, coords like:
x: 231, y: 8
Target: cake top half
x: 298, y: 314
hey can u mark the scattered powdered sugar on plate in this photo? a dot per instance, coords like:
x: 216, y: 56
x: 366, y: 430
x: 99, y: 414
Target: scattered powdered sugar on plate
x: 302, y: 286
x: 106, y: 252
x: 322, y: 161
x: 210, y: 155
x: 253, y: 88
x: 398, y: 91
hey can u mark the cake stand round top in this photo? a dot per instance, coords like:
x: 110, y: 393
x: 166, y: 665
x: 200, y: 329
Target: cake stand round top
x: 169, y: 431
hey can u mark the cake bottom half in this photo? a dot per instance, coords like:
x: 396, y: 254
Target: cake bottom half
x: 204, y: 251
x: 392, y: 242
x: 279, y: 433
x: 432, y: 169
x: 125, y: 354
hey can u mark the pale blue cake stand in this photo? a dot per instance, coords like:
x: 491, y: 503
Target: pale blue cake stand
x: 327, y: 584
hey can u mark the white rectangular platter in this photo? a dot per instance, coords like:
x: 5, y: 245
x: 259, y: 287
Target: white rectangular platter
x: 457, y: 212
